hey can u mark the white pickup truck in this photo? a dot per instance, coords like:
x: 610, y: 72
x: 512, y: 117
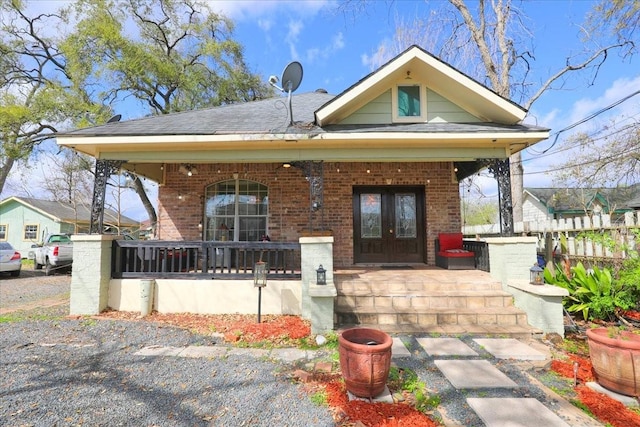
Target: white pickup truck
x: 55, y: 252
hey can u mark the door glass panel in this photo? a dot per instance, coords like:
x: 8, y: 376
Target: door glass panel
x: 370, y: 216
x: 406, y: 216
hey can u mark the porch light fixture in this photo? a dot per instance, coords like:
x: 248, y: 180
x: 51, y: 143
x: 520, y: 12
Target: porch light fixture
x: 536, y: 275
x: 260, y: 274
x: 260, y: 270
x: 321, y: 276
x: 188, y: 169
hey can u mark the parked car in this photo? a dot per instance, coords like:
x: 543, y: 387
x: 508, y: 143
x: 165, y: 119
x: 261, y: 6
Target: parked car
x: 56, y: 252
x: 10, y: 259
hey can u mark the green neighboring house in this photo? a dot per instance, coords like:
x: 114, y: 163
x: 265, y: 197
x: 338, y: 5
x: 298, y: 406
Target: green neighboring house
x: 542, y: 204
x: 25, y: 221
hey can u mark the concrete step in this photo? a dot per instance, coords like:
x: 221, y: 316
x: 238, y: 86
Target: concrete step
x: 500, y: 331
x: 351, y: 286
x: 432, y: 317
x: 426, y: 300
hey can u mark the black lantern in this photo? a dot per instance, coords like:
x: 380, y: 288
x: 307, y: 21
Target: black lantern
x: 321, y: 278
x: 260, y: 274
x: 536, y: 275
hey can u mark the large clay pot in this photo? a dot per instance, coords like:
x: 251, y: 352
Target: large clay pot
x: 365, y: 359
x: 616, y: 360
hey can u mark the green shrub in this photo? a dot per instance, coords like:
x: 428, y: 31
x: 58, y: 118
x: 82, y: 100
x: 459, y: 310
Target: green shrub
x: 592, y: 293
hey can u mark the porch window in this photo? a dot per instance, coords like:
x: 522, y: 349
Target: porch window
x: 30, y: 232
x: 3, y: 231
x: 409, y: 103
x: 236, y: 210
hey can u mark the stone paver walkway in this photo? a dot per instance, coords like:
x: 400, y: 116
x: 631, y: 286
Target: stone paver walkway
x: 462, y: 366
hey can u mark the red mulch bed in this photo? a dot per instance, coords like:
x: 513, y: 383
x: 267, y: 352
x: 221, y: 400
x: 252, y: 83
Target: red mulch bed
x: 235, y: 327
x: 373, y: 414
x: 604, y: 408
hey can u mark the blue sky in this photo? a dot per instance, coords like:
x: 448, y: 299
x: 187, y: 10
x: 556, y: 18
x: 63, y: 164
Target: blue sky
x: 336, y: 49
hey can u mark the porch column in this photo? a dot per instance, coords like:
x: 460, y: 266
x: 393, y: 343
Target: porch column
x: 511, y: 258
x: 91, y: 273
x: 104, y: 170
x: 502, y: 173
x: 317, y: 300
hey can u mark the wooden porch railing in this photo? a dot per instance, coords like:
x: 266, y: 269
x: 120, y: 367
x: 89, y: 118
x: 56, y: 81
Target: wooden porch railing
x: 481, y: 250
x: 165, y: 259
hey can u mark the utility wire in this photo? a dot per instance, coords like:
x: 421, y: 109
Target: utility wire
x: 603, y: 159
x: 589, y: 117
x: 571, y: 147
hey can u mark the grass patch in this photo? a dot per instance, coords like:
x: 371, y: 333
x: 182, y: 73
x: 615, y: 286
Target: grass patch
x: 21, y: 316
x: 582, y: 406
x: 319, y: 398
x: 407, y: 380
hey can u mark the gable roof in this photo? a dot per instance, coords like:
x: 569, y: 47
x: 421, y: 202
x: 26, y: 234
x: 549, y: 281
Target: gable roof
x: 449, y: 82
x: 572, y: 200
x: 262, y: 132
x: 65, y: 212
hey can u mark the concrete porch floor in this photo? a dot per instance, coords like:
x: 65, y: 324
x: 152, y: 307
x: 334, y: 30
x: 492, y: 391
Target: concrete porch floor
x: 412, y: 272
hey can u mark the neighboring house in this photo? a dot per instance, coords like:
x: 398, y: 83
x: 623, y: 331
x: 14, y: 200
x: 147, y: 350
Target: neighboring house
x: 542, y: 204
x: 378, y: 165
x: 25, y: 221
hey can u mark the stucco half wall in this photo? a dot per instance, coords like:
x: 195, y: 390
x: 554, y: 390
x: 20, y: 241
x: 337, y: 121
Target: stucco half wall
x: 209, y: 296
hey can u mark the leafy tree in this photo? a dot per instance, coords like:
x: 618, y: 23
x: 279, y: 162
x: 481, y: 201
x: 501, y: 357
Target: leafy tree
x: 620, y: 18
x: 36, y: 95
x: 180, y: 57
x: 171, y: 55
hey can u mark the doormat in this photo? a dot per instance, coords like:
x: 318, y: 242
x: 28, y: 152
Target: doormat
x: 397, y: 267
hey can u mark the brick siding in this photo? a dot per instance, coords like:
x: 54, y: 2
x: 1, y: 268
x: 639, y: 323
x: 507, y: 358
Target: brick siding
x: 181, y: 199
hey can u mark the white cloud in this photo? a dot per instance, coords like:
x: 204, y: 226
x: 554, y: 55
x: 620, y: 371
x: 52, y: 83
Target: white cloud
x: 619, y: 89
x: 379, y: 57
x: 294, y: 29
x: 265, y: 24
x: 317, y: 54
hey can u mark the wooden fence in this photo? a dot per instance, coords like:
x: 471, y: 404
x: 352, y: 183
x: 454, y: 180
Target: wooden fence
x: 571, y: 235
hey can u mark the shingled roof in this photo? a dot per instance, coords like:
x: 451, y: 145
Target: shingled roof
x: 264, y: 116
x: 65, y: 212
x: 566, y: 199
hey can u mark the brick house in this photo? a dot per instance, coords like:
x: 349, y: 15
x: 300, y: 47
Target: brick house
x: 376, y: 167
x: 391, y: 149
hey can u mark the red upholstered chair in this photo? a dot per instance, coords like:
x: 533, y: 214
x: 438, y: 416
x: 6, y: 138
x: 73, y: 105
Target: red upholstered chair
x: 451, y: 255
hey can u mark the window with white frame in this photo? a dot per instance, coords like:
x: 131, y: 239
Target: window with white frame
x: 236, y: 210
x: 409, y: 103
x: 31, y: 232
x: 3, y: 231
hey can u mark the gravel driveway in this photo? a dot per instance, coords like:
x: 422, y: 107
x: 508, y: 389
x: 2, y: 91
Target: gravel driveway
x: 69, y: 372
x: 33, y: 289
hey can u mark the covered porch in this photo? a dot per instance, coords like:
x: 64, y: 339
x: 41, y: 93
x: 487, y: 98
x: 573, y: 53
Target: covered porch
x: 414, y: 298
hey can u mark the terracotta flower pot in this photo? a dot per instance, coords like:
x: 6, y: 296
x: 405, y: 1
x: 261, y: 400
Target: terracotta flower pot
x: 616, y: 360
x: 365, y: 359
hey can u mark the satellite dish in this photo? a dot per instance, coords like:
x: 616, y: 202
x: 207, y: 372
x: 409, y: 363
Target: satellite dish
x: 115, y: 118
x: 291, y: 77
